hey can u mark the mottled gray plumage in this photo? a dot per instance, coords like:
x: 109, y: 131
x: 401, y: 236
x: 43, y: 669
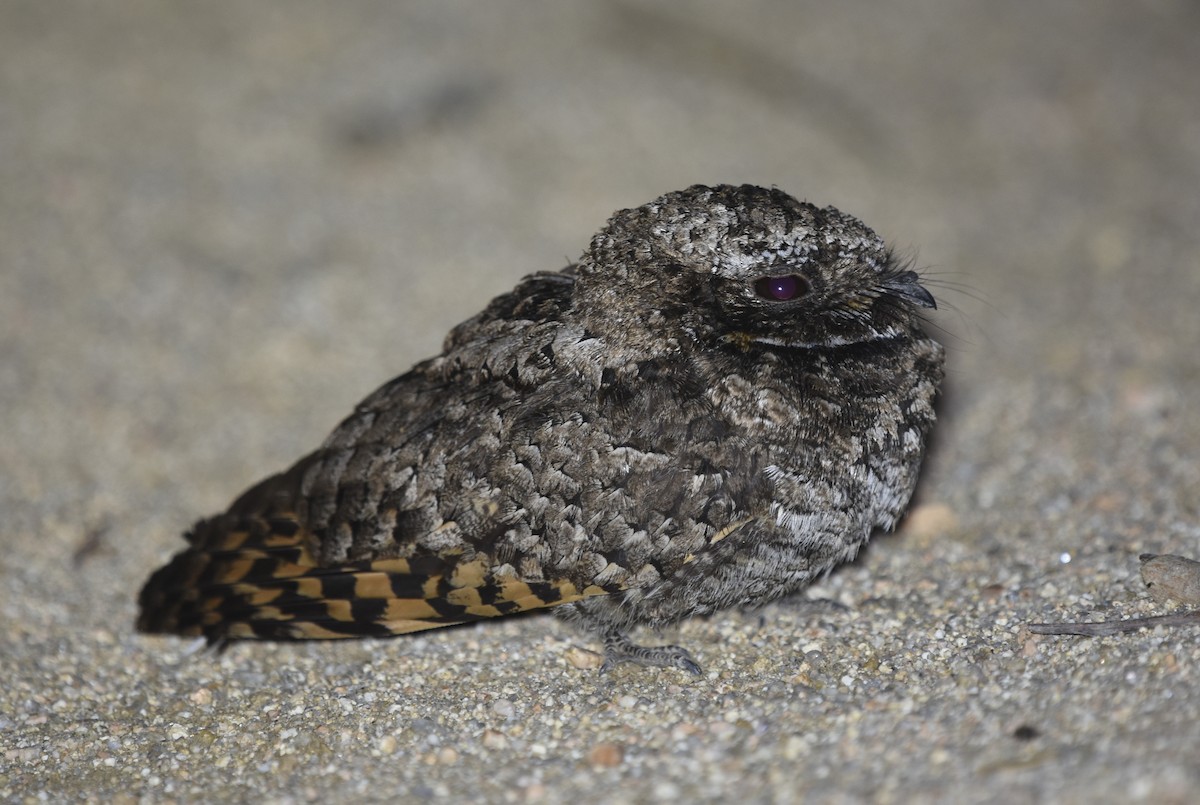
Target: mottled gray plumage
x: 718, y: 403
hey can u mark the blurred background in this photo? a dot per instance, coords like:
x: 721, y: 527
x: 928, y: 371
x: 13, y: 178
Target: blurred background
x: 223, y: 223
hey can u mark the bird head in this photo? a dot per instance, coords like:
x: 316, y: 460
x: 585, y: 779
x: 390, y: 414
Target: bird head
x: 744, y: 265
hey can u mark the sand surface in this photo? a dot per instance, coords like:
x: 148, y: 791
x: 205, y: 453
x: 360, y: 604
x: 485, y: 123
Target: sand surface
x: 223, y: 223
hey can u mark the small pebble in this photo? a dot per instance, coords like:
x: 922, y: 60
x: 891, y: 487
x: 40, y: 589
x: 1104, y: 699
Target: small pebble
x: 494, y: 739
x: 606, y: 755
x: 1172, y: 578
x: 929, y: 520
x: 583, y: 659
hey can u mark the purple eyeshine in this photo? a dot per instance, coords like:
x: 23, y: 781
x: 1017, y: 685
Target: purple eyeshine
x: 781, y: 289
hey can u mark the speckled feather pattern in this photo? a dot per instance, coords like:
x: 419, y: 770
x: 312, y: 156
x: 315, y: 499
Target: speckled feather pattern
x: 638, y: 438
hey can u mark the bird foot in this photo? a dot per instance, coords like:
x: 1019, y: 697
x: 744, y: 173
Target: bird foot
x: 619, y: 649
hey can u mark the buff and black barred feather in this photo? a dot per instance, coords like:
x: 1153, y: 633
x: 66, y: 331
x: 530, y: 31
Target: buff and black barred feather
x: 254, y: 577
x: 718, y: 404
x: 257, y: 579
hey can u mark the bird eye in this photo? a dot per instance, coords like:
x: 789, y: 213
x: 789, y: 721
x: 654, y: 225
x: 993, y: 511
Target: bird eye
x: 781, y: 289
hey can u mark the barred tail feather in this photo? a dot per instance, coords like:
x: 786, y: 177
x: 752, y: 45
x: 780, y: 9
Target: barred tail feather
x: 259, y: 579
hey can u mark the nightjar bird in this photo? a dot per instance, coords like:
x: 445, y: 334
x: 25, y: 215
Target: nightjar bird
x: 718, y: 403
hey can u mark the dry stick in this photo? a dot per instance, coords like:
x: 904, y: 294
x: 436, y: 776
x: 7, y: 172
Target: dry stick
x: 93, y: 542
x: 1105, y: 628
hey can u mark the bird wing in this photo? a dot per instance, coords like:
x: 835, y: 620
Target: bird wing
x: 255, y: 577
x: 267, y: 568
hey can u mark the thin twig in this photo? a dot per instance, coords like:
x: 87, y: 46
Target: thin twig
x: 94, y: 541
x: 1105, y: 628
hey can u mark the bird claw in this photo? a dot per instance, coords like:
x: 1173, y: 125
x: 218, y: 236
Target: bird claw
x: 617, y: 651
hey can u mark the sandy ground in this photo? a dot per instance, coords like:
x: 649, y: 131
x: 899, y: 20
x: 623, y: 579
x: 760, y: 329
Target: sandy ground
x: 223, y: 223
